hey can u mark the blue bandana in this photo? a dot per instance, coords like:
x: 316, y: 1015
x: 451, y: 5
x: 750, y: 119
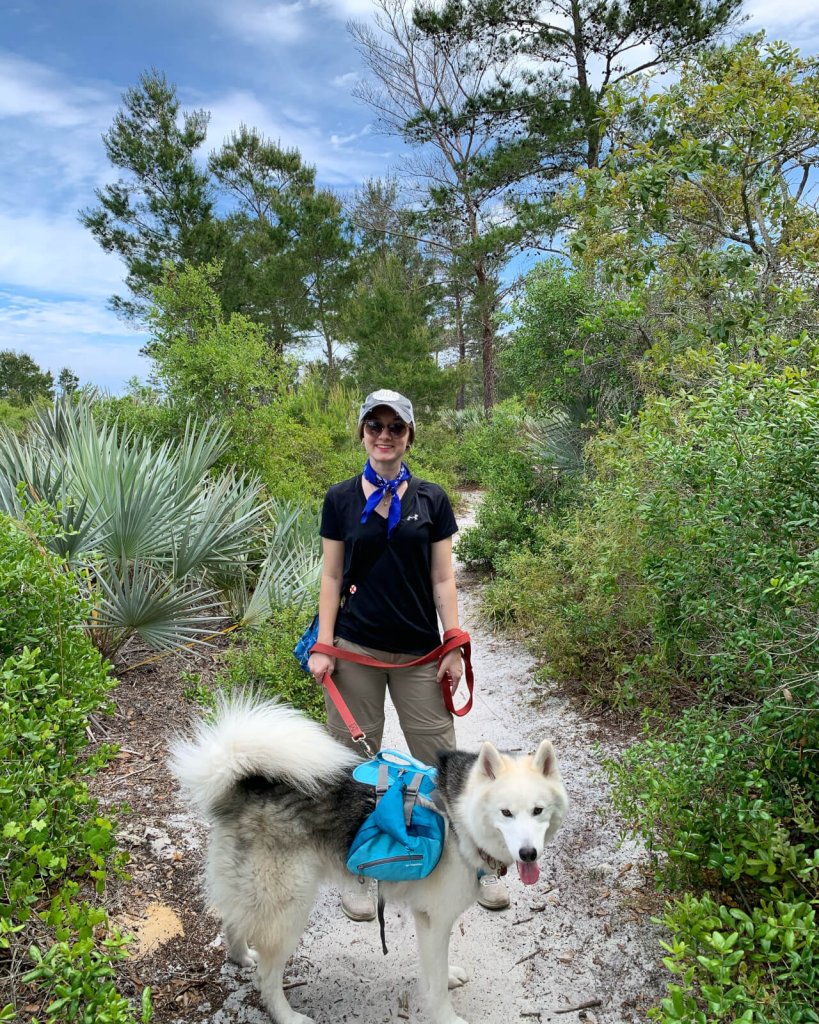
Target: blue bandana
x: 381, y: 487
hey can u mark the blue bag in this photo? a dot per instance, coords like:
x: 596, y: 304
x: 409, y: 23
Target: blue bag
x: 403, y: 838
x: 305, y: 642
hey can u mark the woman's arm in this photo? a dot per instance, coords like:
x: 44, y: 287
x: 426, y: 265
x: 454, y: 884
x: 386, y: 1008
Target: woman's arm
x: 332, y: 574
x: 445, y: 593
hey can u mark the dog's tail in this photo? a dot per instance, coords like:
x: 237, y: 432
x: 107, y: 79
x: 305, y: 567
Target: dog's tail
x: 250, y: 736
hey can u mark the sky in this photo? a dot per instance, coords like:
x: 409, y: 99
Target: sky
x: 285, y: 68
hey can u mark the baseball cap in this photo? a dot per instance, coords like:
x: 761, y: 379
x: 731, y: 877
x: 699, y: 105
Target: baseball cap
x: 399, y: 404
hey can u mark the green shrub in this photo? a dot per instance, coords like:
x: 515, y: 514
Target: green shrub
x: 713, y: 796
x: 691, y: 567
x: 491, y: 455
x: 15, y: 417
x: 52, y: 834
x: 262, y: 660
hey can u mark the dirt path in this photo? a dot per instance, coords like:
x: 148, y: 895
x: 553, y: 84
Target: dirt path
x: 578, y: 945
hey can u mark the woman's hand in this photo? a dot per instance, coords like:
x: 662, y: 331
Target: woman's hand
x: 451, y: 665
x: 319, y: 664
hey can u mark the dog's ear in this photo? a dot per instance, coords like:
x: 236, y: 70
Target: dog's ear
x: 489, y: 761
x: 544, y: 760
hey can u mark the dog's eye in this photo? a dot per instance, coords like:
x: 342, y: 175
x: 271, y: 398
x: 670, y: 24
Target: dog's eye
x: 505, y: 813
x: 538, y: 810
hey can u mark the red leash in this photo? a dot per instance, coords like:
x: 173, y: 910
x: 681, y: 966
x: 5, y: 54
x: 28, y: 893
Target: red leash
x: 453, y: 639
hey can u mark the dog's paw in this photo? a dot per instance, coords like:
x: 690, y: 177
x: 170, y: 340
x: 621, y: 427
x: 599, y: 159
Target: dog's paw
x: 457, y: 976
x: 243, y: 955
x: 295, y: 1018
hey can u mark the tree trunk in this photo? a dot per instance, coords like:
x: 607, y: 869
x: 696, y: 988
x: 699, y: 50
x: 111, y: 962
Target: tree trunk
x: 460, y: 398
x: 487, y: 336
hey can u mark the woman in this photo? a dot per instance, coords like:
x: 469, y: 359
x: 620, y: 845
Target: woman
x: 387, y: 579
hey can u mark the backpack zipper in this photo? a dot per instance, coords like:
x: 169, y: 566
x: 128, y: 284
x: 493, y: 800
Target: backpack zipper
x: 389, y: 860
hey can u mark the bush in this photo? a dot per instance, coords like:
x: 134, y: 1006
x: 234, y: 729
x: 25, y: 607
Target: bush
x: 262, y: 660
x: 692, y: 565
x: 714, y: 795
x: 53, y: 679
x: 491, y: 454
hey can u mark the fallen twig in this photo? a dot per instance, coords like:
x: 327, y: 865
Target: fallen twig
x: 138, y: 771
x: 527, y: 957
x: 293, y: 984
x: 587, y: 1005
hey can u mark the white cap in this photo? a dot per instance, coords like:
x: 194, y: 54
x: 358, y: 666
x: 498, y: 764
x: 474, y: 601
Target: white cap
x: 400, y: 405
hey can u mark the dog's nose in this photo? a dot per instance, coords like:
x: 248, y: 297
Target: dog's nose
x: 527, y: 853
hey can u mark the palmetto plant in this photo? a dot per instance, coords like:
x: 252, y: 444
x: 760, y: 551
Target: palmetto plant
x: 167, y: 547
x: 554, y: 442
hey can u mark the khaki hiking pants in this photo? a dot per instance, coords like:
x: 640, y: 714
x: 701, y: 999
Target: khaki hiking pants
x: 425, y: 722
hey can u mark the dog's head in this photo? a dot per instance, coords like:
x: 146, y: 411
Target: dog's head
x: 512, y: 806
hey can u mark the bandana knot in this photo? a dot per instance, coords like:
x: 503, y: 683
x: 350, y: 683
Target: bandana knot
x: 383, y: 486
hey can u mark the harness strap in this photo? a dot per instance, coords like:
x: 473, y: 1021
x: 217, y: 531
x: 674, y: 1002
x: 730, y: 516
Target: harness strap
x: 453, y: 639
x: 383, y: 782
x: 410, y: 796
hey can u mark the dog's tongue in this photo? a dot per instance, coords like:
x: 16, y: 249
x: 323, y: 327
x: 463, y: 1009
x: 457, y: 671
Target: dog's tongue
x: 529, y: 871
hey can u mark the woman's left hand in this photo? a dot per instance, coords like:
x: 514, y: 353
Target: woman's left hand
x: 452, y: 665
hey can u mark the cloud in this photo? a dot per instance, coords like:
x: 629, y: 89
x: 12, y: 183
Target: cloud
x: 261, y: 23
x: 346, y: 81
x: 341, y: 140
x: 797, y: 22
x: 37, y: 93
x: 336, y: 165
x: 264, y: 23
x: 57, y: 255
x: 83, y: 335
x: 51, y: 127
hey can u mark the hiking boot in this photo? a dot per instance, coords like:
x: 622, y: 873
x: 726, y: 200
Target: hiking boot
x: 358, y: 901
x: 493, y: 894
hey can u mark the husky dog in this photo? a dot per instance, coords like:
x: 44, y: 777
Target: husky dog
x: 284, y: 807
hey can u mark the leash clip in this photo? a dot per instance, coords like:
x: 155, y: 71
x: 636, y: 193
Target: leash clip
x: 362, y: 739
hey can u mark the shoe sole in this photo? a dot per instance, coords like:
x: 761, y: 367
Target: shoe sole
x: 358, y: 917
x: 494, y: 906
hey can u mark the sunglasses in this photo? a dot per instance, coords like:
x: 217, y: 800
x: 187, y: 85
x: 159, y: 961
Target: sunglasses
x: 374, y: 427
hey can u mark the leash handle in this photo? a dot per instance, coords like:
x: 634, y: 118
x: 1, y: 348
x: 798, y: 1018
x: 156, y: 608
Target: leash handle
x: 453, y: 639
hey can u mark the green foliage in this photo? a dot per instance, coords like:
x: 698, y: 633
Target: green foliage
x: 289, y: 260
x: 574, y: 345
x: 22, y: 381
x: 718, y: 798
x: 13, y: 417
x: 157, y: 538
x: 690, y: 570
x: 159, y: 210
x: 759, y: 967
x: 262, y: 660
x: 52, y: 835
x: 209, y: 365
x: 732, y: 521
x: 506, y: 456
x: 389, y: 326
x: 302, y: 443
x: 697, y: 220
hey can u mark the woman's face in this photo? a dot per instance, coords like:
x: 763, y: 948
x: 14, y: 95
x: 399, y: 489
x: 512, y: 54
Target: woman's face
x: 384, y: 447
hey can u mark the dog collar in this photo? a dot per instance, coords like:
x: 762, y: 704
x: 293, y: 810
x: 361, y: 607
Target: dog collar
x: 496, y: 867
x: 493, y: 865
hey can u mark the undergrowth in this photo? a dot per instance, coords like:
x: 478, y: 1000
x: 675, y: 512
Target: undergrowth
x: 57, y: 948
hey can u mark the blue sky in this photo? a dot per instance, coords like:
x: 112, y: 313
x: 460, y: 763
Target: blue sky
x: 285, y: 68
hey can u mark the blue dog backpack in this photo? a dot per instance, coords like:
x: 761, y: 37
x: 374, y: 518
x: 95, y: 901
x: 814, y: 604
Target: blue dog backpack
x: 403, y: 838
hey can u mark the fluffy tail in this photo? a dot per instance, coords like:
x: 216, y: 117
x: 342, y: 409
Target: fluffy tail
x: 249, y: 736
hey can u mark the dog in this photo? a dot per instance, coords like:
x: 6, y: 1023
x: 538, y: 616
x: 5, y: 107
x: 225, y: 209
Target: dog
x: 284, y: 809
